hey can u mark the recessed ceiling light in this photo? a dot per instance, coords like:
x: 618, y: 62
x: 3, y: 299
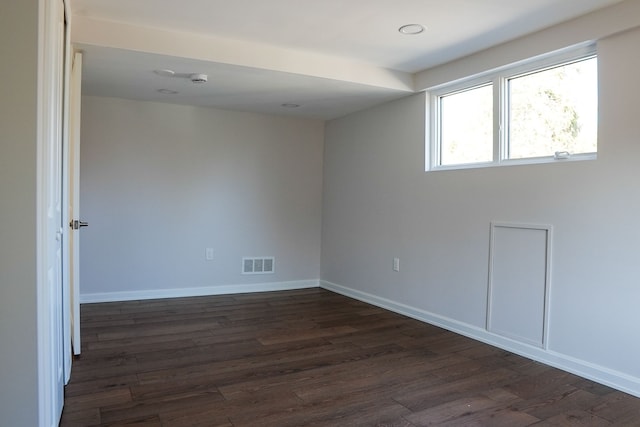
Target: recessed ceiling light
x: 290, y: 105
x: 167, y: 91
x: 411, y: 29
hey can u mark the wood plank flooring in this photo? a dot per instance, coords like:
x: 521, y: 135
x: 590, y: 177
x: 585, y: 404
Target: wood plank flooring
x: 311, y: 358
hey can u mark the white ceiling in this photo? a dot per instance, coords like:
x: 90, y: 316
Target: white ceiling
x: 331, y: 57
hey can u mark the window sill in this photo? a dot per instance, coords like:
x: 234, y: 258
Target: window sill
x: 515, y: 162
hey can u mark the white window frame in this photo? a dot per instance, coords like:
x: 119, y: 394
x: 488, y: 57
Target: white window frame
x: 499, y: 79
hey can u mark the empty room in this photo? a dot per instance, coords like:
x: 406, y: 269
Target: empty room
x: 288, y: 213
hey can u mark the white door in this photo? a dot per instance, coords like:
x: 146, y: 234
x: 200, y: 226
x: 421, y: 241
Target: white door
x: 70, y: 187
x: 75, y: 224
x: 67, y: 236
x: 50, y: 231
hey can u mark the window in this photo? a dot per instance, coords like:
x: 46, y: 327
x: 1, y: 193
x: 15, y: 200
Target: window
x: 467, y: 126
x: 539, y: 111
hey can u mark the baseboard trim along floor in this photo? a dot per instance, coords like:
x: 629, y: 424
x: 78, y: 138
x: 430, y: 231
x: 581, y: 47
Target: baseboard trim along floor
x: 585, y: 369
x: 197, y: 291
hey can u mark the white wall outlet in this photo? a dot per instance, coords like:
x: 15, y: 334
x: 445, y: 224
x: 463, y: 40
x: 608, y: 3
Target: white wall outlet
x: 396, y: 264
x: 208, y: 254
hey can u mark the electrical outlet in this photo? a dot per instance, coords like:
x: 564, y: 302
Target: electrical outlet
x: 208, y: 254
x: 396, y: 264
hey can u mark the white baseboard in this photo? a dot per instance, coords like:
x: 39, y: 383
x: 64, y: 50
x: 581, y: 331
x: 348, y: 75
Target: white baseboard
x: 196, y: 292
x: 600, y: 374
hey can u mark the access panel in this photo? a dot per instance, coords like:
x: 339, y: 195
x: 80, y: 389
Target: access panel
x: 518, y: 282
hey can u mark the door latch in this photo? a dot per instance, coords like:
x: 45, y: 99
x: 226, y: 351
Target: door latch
x: 76, y: 224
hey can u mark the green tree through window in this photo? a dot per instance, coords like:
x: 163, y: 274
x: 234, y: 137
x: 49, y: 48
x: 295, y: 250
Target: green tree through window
x: 553, y: 110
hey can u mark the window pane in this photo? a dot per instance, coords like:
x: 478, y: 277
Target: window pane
x: 466, y: 129
x: 554, y: 110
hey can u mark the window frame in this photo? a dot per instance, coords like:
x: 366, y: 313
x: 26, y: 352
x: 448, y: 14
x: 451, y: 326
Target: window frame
x: 499, y: 79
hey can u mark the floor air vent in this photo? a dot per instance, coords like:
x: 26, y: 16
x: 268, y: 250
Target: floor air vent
x: 263, y: 265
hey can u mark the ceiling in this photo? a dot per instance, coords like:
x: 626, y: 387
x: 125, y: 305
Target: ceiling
x: 329, y: 57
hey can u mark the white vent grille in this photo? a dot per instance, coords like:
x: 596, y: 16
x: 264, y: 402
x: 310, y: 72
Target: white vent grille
x: 261, y: 265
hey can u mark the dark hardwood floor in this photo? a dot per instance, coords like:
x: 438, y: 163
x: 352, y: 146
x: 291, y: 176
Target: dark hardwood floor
x: 311, y: 358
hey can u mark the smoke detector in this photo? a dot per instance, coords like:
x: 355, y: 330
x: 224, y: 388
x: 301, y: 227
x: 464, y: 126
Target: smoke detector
x: 198, y: 78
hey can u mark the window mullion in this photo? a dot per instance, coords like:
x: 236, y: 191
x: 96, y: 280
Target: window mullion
x: 497, y: 120
x: 436, y: 157
x: 500, y: 118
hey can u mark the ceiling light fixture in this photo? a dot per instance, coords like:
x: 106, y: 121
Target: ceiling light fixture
x: 194, y: 77
x: 198, y: 78
x: 411, y: 29
x: 165, y: 73
x: 167, y: 91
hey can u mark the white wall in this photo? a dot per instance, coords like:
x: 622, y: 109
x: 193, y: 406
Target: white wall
x: 18, y: 162
x: 379, y: 204
x: 161, y: 182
